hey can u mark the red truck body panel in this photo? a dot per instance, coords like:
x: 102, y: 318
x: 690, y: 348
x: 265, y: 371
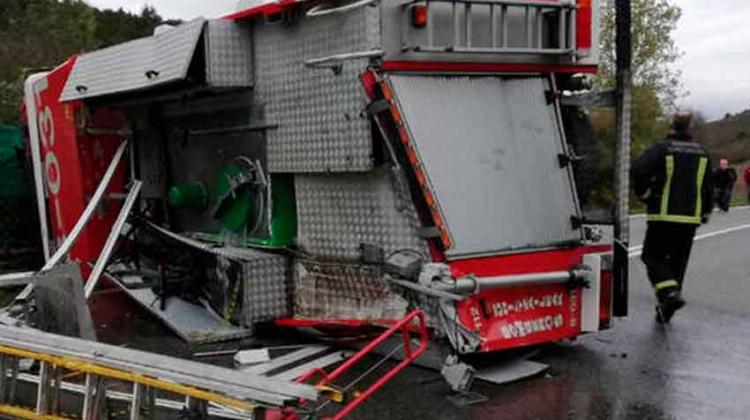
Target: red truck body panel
x: 73, y: 164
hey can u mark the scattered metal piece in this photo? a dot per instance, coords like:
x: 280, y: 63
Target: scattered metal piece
x: 193, y: 323
x: 243, y: 254
x: 232, y: 352
x: 460, y: 337
x: 114, y: 235
x: 463, y: 399
x: 7, y: 319
x: 82, y: 221
x: 459, y: 375
x: 132, y: 280
x: 16, y: 279
x: 252, y: 357
x: 60, y: 305
x: 321, y: 362
x: 285, y: 360
x: 215, y: 353
x: 510, y: 372
x: 88, y: 211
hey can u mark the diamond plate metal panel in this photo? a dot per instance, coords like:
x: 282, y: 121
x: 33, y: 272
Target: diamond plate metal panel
x: 338, y: 213
x: 266, y: 288
x: 124, y: 67
x: 174, y: 49
x: 229, y: 54
x: 321, y: 128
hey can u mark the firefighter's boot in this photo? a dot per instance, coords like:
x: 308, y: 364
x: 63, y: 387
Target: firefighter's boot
x: 669, y: 303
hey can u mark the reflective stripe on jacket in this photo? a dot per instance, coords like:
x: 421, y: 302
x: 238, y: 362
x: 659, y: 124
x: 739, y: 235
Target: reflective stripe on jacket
x: 673, y: 178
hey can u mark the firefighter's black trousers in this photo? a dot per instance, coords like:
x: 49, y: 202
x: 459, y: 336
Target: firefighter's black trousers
x: 666, y: 251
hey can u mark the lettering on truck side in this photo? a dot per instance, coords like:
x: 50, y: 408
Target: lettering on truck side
x: 503, y: 308
x: 520, y: 329
x: 476, y: 317
x: 46, y: 127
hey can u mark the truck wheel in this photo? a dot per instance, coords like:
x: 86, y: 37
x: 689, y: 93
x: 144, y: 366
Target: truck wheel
x: 582, y: 141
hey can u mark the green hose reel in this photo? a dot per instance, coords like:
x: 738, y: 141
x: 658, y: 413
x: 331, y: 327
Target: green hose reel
x: 238, y: 202
x: 189, y: 195
x: 234, y: 203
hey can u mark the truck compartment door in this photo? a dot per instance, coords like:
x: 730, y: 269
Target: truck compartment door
x: 486, y: 153
x: 172, y: 55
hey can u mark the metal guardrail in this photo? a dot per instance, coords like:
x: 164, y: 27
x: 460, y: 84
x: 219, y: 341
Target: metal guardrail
x: 499, y: 11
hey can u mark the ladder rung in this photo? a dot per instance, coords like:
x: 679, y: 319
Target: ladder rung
x: 539, y: 25
x: 14, y: 367
x: 95, y: 397
x: 467, y: 23
x: 42, y: 396
x: 504, y: 25
x: 136, y: 404
x: 195, y: 407
x: 493, y: 26
x: 529, y: 34
x: 3, y: 377
x: 429, y: 28
x: 456, y: 26
x: 563, y: 34
x: 572, y: 41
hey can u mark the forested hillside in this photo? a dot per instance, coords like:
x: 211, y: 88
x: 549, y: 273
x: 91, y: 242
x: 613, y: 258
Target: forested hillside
x: 38, y: 34
x: 728, y: 137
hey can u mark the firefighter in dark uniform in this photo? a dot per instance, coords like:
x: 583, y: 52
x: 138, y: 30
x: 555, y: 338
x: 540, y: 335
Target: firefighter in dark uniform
x: 673, y: 178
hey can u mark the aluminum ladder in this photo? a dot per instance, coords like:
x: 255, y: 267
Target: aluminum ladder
x: 463, y: 18
x: 101, y: 373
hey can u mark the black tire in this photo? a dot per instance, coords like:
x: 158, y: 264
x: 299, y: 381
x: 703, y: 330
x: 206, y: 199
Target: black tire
x: 582, y: 142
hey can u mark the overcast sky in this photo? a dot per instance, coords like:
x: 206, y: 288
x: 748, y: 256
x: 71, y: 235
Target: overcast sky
x: 712, y: 34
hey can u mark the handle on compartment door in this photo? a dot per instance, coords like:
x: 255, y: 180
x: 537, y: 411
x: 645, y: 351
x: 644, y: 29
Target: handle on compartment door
x: 320, y: 10
x: 335, y: 61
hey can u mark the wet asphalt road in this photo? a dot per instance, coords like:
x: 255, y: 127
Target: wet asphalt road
x: 698, y: 367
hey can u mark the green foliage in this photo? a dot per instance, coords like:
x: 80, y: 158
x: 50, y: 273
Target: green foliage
x: 39, y: 34
x: 116, y: 26
x: 10, y: 100
x: 656, y: 83
x: 654, y: 50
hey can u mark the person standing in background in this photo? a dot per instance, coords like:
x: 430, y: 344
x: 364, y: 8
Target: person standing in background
x: 746, y: 176
x: 724, y: 178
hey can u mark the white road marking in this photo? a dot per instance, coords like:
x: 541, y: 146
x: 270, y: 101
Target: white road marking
x: 643, y: 215
x: 635, y: 251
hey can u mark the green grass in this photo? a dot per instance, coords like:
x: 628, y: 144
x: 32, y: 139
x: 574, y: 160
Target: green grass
x: 738, y: 200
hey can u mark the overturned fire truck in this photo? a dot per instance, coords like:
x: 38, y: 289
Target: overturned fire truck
x: 316, y: 163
